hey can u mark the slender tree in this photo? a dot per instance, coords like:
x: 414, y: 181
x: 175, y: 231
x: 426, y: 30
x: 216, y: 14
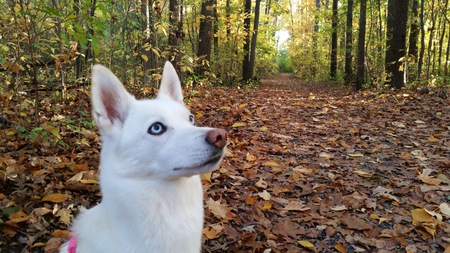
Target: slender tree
x: 175, y: 34
x: 314, y: 37
x: 334, y: 41
x: 396, y: 41
x: 422, y: 38
x: 360, y: 80
x: 89, y: 53
x: 254, y: 38
x: 349, y: 42
x: 414, y: 31
x: 205, y: 36
x: 246, y: 72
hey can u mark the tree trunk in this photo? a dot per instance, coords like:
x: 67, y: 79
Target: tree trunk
x: 334, y: 24
x: 174, y: 34
x: 396, y: 42
x: 227, y: 21
x: 314, y: 37
x: 422, y: 38
x: 78, y: 60
x: 430, y: 38
x: 88, y: 53
x: 246, y: 75
x: 441, y: 40
x: 414, y: 32
x: 361, y: 42
x: 349, y: 42
x: 205, y: 36
x: 254, y: 38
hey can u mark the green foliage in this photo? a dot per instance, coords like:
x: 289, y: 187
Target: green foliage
x: 284, y: 62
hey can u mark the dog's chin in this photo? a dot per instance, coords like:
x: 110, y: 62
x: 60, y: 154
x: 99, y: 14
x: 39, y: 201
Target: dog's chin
x: 206, y: 166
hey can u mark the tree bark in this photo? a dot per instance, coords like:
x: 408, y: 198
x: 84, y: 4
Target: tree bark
x: 349, y: 42
x: 174, y: 34
x: 89, y: 54
x: 246, y: 75
x: 414, y: 34
x: 334, y: 24
x: 205, y: 36
x: 422, y: 39
x: 254, y: 38
x: 396, y: 42
x: 360, y: 80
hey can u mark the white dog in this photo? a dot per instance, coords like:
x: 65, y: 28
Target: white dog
x: 151, y: 158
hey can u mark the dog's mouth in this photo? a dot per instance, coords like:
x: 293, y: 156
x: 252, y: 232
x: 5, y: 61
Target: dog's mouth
x: 214, y: 160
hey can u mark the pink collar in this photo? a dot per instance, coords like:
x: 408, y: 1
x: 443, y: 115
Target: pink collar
x: 72, y: 248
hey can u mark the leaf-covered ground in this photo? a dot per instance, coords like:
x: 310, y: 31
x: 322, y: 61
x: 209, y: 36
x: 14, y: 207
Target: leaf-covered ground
x: 310, y: 167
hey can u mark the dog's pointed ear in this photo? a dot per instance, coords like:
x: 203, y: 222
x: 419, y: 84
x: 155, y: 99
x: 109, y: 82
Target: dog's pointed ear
x: 170, y: 84
x: 110, y: 100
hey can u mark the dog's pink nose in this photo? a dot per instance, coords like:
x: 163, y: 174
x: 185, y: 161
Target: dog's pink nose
x: 217, y: 138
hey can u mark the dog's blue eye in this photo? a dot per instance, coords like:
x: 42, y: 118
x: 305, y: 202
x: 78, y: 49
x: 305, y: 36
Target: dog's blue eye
x: 192, y: 118
x: 157, y: 129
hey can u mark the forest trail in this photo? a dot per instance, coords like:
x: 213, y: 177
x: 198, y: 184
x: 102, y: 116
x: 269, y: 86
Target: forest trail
x: 310, y: 166
x: 317, y: 166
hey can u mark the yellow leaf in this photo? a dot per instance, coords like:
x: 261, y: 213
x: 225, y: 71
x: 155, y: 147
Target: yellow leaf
x: 340, y: 248
x: 272, y: 164
x: 144, y: 57
x: 374, y: 216
x: 88, y: 181
x: 206, y: 176
x: 250, y: 200
x: 56, y: 197
x: 250, y: 157
x: 267, y: 205
x: 238, y: 124
x: 211, y: 233
x: 431, y: 138
x: 199, y: 115
x: 243, y: 105
x: 263, y: 128
x: 355, y: 155
x: 306, y: 244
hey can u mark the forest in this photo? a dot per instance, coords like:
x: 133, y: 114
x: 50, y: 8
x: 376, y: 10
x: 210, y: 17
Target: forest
x: 337, y: 113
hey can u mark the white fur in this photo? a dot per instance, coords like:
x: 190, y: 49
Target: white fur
x: 152, y: 193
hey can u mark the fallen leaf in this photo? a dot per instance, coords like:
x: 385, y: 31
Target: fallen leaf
x: 445, y: 209
x: 56, y: 197
x: 264, y: 195
x: 341, y: 248
x: 296, y: 206
x: 353, y: 222
x: 339, y: 208
x: 272, y: 164
x: 217, y: 208
x: 355, y: 155
x: 426, y: 178
x: 250, y: 157
x: 306, y: 244
x: 238, y: 124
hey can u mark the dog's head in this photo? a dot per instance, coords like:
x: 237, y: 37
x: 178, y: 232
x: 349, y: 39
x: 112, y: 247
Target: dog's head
x: 151, y: 138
